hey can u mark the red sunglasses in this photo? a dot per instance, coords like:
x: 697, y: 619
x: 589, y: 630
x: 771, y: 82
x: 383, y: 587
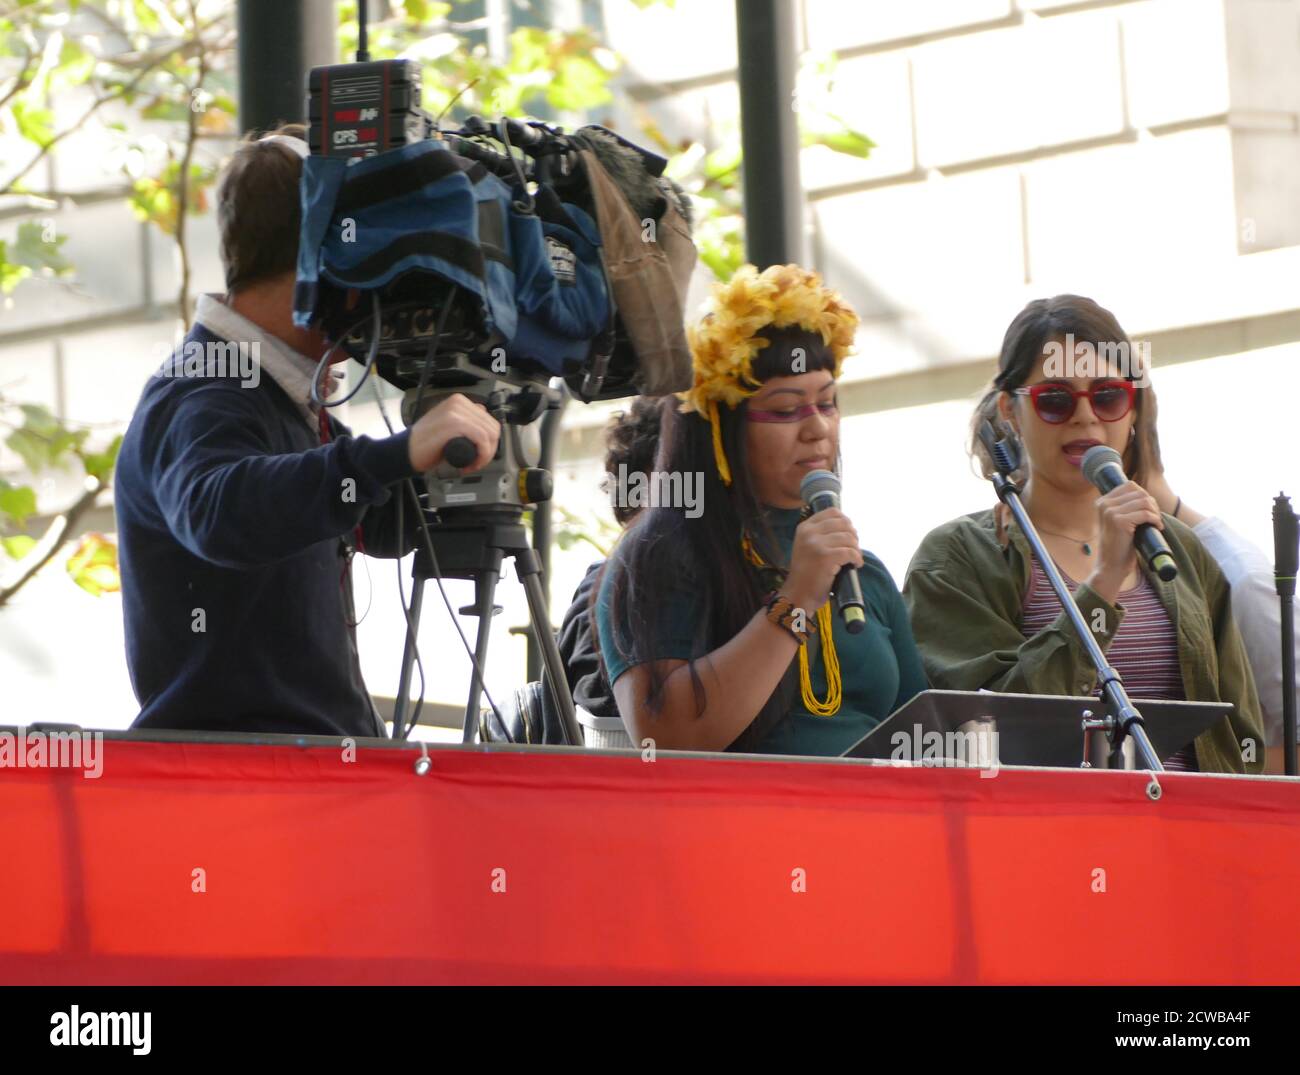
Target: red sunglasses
x: 1055, y: 402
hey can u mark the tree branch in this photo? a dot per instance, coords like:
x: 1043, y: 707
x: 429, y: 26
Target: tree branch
x: 23, y: 80
x: 151, y: 64
x: 54, y: 538
x: 183, y: 192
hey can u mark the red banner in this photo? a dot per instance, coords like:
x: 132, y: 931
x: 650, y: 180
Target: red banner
x: 258, y: 864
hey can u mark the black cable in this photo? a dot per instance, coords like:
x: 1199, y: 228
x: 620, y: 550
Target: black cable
x: 411, y: 638
x: 371, y: 356
x: 432, y: 353
x: 406, y: 613
x: 409, y: 485
x: 503, y: 134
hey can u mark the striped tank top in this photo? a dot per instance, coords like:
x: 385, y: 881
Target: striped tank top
x: 1144, y: 650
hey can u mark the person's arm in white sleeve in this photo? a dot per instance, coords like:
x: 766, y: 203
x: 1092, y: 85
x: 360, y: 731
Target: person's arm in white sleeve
x: 1258, y: 614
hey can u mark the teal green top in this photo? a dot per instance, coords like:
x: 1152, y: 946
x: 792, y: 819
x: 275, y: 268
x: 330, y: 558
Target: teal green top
x: 880, y: 668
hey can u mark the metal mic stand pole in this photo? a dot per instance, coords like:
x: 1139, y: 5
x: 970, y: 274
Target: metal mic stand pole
x: 1127, y: 720
x: 1288, y: 683
x: 1286, y: 556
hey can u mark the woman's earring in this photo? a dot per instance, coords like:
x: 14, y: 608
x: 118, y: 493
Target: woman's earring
x: 1132, y: 432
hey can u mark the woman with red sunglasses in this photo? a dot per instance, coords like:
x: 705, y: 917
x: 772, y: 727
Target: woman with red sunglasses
x: 983, y: 613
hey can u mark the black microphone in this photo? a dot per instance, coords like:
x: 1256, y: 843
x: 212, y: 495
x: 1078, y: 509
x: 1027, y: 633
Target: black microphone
x: 820, y: 490
x: 1105, y: 469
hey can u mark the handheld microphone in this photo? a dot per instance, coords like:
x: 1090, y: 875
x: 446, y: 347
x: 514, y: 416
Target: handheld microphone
x: 1105, y: 469
x: 820, y: 490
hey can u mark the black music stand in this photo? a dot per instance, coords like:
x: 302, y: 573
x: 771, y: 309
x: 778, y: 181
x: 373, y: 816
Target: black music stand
x: 1032, y: 729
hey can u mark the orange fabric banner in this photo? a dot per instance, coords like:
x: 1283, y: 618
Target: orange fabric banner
x: 225, y: 863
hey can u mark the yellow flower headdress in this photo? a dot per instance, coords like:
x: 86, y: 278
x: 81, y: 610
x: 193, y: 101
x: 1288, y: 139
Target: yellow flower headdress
x: 725, y: 340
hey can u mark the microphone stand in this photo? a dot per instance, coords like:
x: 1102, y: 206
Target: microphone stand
x: 1286, y: 548
x: 1124, y: 719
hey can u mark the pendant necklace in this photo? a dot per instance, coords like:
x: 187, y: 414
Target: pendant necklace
x: 1087, y: 545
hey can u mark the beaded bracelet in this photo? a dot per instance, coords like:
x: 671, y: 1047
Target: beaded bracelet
x: 783, y: 612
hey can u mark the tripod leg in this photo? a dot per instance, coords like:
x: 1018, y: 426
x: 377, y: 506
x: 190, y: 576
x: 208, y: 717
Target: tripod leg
x: 485, y: 586
x: 408, y: 656
x: 526, y: 563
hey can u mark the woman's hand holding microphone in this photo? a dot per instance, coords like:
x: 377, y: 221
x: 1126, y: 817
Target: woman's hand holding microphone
x: 823, y: 543
x: 1119, y: 513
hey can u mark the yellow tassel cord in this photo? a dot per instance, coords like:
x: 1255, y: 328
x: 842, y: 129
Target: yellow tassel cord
x: 830, y: 659
x: 719, y: 455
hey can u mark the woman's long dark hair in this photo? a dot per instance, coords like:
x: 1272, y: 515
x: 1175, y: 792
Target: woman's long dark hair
x: 1040, y: 322
x: 663, y: 546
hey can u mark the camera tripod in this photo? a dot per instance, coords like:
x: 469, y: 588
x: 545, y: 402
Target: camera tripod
x: 472, y: 543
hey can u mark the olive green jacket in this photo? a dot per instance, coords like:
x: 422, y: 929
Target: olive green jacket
x: 965, y: 592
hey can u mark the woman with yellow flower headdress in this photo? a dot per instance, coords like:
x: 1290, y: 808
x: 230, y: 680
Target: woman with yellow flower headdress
x: 713, y: 613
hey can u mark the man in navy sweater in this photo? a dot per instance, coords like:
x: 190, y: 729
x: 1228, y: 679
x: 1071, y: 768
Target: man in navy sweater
x: 239, y: 505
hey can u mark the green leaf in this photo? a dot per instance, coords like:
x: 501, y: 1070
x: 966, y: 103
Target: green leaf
x: 33, y: 249
x: 165, y: 110
x: 18, y: 546
x: 156, y: 199
x: 146, y: 20
x: 18, y: 502
x: 33, y: 450
x: 421, y: 12
x: 93, y: 566
x: 849, y: 142
x: 38, y: 418
x: 42, y: 440
x: 75, y: 64
x: 723, y: 164
x: 11, y: 273
x: 722, y: 246
x: 579, y: 84
x: 100, y: 464
x: 34, y: 124
x: 65, y: 440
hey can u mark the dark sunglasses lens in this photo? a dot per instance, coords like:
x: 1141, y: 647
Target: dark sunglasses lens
x: 1110, y: 402
x: 1054, y: 405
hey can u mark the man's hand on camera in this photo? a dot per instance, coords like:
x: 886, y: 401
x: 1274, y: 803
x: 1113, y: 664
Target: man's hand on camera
x: 455, y: 416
